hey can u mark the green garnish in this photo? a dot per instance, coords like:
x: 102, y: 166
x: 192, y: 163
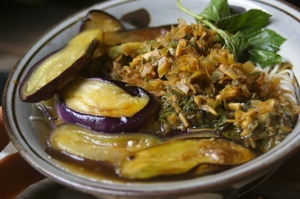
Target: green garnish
x: 245, y: 34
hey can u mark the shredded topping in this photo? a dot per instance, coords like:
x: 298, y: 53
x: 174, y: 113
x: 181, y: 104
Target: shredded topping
x: 201, y: 85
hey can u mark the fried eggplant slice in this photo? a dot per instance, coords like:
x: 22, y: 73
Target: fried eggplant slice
x: 53, y: 72
x: 106, y: 105
x: 180, y: 156
x: 78, y: 142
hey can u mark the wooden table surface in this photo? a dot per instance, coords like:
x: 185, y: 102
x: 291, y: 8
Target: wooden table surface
x: 22, y: 22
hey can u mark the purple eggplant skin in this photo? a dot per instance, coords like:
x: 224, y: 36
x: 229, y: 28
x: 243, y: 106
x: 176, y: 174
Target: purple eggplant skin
x: 60, y: 80
x: 111, y: 124
x: 138, y: 18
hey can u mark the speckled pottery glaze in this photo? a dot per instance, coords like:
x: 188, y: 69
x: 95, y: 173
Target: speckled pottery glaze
x: 27, y: 131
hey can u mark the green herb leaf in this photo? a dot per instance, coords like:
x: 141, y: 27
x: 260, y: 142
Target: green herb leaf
x: 253, y: 18
x: 240, y: 43
x: 216, y: 10
x: 263, y: 57
x: 236, y: 43
x: 263, y: 46
x: 264, y: 39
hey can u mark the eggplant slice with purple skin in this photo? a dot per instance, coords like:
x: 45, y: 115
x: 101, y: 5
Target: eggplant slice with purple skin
x: 77, y: 141
x: 55, y: 71
x: 105, y: 105
x: 115, y: 33
x: 181, y: 156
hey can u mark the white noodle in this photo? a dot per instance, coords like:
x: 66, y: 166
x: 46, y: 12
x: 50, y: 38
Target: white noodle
x: 287, y: 82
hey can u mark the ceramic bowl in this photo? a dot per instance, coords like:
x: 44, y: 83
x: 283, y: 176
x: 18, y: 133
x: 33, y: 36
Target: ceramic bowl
x: 27, y: 131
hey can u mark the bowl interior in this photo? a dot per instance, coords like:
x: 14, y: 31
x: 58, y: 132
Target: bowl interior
x: 28, y: 131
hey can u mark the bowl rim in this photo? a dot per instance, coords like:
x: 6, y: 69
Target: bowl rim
x: 192, y: 185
